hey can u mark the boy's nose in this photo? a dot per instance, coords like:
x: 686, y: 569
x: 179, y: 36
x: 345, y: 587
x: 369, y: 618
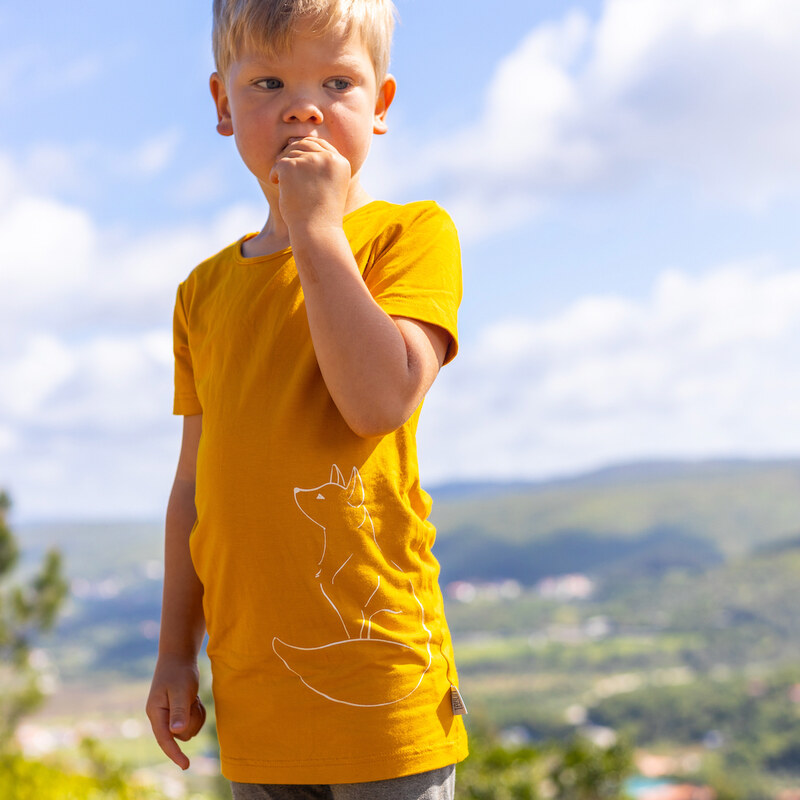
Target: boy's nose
x: 303, y: 110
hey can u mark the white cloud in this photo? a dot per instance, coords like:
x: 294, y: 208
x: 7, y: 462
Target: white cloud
x: 85, y: 352
x: 63, y: 275
x: 33, y: 70
x: 669, y: 90
x: 36, y: 267
x: 703, y: 366
x: 202, y: 185
x: 41, y: 365
x: 155, y: 154
x: 84, y: 417
x: 99, y: 440
x: 88, y: 171
x: 77, y: 72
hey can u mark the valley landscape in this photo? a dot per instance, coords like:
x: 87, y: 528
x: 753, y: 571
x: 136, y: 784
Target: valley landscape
x: 652, y: 604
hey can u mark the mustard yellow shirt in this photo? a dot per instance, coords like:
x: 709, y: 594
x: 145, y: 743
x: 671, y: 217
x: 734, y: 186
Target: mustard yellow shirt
x: 331, y: 657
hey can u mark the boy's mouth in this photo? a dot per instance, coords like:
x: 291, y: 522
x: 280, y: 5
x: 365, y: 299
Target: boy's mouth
x: 292, y: 139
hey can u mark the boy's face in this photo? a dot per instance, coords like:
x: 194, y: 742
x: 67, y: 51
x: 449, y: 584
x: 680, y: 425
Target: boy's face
x: 322, y: 86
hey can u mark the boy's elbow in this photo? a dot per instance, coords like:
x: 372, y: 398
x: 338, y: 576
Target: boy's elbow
x: 373, y: 427
x: 377, y: 419
x: 385, y: 406
x: 370, y: 432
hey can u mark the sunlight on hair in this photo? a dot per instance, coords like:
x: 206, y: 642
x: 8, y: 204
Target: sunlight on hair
x: 270, y: 25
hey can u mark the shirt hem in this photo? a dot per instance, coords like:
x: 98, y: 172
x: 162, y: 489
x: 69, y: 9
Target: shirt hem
x: 375, y: 767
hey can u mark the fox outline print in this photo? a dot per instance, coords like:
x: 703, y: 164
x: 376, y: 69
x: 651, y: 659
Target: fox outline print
x: 372, y: 598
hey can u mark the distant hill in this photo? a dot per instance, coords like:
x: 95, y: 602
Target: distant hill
x: 95, y: 550
x: 736, y: 505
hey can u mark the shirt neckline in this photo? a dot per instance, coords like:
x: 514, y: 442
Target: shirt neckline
x: 287, y: 251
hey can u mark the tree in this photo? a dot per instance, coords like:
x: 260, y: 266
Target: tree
x: 24, y: 779
x: 26, y: 609
x: 576, y: 769
x: 584, y: 771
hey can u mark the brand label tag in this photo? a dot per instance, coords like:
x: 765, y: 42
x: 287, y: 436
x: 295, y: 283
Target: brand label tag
x: 459, y: 707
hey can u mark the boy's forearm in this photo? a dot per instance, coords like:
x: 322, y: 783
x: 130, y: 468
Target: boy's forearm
x: 375, y: 379
x: 182, y: 621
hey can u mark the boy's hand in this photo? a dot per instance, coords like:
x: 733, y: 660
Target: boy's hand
x: 313, y: 178
x: 174, y: 708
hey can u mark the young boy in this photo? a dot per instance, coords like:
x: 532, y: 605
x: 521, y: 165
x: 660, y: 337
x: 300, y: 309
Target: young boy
x: 296, y: 529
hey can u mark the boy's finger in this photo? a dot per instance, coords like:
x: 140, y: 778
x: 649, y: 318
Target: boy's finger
x: 325, y: 144
x: 179, y: 712
x: 197, y: 718
x: 159, y: 722
x: 200, y: 709
x: 309, y: 143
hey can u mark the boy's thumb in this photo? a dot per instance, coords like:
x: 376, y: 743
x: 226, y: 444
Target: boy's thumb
x: 178, y: 715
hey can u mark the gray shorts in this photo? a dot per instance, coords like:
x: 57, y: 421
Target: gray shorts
x: 438, y: 784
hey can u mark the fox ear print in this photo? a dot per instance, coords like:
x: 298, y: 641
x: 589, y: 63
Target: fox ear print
x: 356, y: 487
x: 336, y: 476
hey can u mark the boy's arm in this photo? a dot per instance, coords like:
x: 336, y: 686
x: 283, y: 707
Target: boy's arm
x: 173, y: 707
x: 376, y: 367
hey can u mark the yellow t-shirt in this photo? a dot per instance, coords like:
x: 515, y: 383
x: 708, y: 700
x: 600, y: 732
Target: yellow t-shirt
x: 331, y: 657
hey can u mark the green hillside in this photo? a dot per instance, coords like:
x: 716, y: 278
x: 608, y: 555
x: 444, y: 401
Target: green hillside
x: 96, y: 550
x: 656, y: 516
x: 735, y: 504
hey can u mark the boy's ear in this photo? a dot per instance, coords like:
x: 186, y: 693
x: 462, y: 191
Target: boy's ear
x: 220, y: 95
x: 385, y: 96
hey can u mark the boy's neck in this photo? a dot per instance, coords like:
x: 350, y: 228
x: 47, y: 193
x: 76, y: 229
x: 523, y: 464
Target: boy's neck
x: 274, y: 236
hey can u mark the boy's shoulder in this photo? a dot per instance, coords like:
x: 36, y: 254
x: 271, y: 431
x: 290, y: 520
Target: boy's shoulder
x: 209, y: 267
x: 410, y: 211
x: 390, y: 220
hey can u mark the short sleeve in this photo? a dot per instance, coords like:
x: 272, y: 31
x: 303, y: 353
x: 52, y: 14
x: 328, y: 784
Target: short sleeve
x: 416, y: 272
x: 186, y: 401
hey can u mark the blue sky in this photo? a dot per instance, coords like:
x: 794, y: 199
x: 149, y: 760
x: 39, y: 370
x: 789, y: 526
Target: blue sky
x: 625, y: 175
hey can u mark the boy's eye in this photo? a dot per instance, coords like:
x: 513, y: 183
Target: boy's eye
x: 270, y: 83
x: 340, y: 84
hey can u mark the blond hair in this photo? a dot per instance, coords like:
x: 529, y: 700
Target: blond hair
x: 270, y: 25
